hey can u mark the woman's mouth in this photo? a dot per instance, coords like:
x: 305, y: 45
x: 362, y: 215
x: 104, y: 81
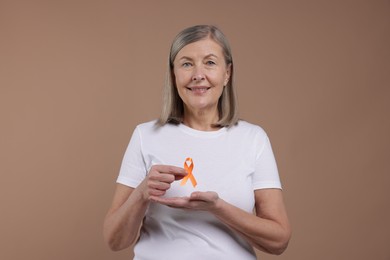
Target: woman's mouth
x: 198, y: 90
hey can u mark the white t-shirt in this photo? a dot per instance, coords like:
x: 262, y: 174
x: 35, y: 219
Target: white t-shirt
x: 230, y: 161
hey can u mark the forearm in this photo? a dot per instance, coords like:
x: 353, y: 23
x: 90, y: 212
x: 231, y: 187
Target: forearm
x: 121, y: 226
x: 264, y: 234
x: 129, y: 205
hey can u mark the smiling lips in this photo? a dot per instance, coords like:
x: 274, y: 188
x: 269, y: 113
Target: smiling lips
x: 198, y: 90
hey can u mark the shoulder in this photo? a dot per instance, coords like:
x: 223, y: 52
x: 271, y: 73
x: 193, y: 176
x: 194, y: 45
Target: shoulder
x: 147, y: 125
x: 244, y: 127
x: 153, y: 128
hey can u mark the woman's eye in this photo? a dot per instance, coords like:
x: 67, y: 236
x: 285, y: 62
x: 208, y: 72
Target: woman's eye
x: 210, y: 62
x: 186, y: 64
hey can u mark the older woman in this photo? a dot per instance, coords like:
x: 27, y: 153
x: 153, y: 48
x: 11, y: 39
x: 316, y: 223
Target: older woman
x: 191, y: 180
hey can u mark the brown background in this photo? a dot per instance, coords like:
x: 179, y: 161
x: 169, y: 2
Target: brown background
x: 77, y: 76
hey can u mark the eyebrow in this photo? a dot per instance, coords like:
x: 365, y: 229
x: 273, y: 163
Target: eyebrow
x: 206, y: 57
x: 211, y: 55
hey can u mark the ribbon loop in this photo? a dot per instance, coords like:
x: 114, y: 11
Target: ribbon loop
x: 189, y: 175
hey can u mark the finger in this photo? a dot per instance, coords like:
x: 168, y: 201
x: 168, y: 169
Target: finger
x: 197, y: 195
x: 159, y: 185
x: 170, y: 169
x: 180, y: 202
x: 162, y: 177
x: 205, y: 196
x: 153, y: 193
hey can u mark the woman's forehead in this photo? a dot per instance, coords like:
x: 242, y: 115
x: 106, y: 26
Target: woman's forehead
x: 203, y: 48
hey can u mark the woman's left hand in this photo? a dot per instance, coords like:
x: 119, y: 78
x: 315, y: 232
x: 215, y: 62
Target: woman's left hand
x: 197, y: 201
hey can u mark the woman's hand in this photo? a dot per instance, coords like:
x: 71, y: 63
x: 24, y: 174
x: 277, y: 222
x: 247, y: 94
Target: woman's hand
x: 159, y: 180
x: 269, y: 230
x: 197, y: 201
x: 123, y: 220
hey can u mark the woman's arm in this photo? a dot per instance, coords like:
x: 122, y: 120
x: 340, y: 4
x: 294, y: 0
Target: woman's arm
x: 124, y: 218
x: 269, y: 230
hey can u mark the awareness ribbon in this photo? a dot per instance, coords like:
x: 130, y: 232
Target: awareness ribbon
x: 189, y: 175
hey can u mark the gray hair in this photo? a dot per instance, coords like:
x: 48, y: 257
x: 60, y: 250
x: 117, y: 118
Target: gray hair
x: 173, y: 107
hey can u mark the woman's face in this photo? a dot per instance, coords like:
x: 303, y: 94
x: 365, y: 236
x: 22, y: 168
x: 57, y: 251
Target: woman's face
x: 201, y: 73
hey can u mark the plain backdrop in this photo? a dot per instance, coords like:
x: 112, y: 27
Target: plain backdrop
x: 77, y: 76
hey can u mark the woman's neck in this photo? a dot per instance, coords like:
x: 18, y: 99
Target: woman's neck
x: 200, y: 120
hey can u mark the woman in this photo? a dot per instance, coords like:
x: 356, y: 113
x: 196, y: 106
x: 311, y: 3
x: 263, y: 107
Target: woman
x: 204, y: 210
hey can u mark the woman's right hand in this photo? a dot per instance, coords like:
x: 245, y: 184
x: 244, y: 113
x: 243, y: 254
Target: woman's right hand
x: 129, y: 205
x: 159, y: 179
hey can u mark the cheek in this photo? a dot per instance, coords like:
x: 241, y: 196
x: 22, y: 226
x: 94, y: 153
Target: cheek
x: 180, y: 79
x: 218, y: 81
x: 180, y: 85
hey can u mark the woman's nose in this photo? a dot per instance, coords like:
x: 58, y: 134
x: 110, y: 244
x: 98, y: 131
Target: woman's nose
x: 198, y: 75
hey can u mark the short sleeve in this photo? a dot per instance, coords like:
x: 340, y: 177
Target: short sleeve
x: 133, y: 170
x: 266, y: 171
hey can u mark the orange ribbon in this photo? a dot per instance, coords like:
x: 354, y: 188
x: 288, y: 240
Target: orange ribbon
x: 189, y: 175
